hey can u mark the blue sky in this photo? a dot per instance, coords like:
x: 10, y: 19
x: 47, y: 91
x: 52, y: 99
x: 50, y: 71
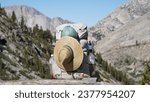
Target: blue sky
x: 83, y: 11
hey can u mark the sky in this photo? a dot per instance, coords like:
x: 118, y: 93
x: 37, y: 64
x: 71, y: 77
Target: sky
x: 80, y: 11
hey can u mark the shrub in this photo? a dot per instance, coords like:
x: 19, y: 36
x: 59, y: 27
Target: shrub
x: 146, y: 79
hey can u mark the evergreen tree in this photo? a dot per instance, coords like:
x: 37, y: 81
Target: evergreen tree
x: 13, y: 16
x: 146, y: 79
x: 36, y: 28
x: 22, y: 22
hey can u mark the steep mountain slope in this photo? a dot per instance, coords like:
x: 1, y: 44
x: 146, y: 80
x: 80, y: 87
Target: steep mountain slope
x: 24, y: 53
x: 124, y: 39
x: 119, y: 17
x: 33, y: 17
x: 128, y: 48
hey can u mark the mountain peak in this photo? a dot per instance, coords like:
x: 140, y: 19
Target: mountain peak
x: 23, y: 9
x: 33, y: 17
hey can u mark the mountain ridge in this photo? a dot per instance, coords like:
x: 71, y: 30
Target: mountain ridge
x: 123, y: 39
x: 33, y: 17
x: 119, y: 17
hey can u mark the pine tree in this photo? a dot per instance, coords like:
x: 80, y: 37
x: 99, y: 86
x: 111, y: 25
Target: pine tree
x: 146, y: 79
x: 13, y: 16
x: 22, y: 22
x: 36, y: 28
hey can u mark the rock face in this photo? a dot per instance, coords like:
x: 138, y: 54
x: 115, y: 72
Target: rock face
x: 123, y: 38
x: 33, y: 17
x: 120, y: 17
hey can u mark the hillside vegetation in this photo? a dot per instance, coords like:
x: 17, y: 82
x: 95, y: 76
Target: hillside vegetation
x: 24, y: 52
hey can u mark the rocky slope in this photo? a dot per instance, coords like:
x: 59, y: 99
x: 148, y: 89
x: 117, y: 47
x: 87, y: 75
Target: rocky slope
x: 24, y: 53
x: 33, y: 17
x: 123, y: 39
x: 119, y: 17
